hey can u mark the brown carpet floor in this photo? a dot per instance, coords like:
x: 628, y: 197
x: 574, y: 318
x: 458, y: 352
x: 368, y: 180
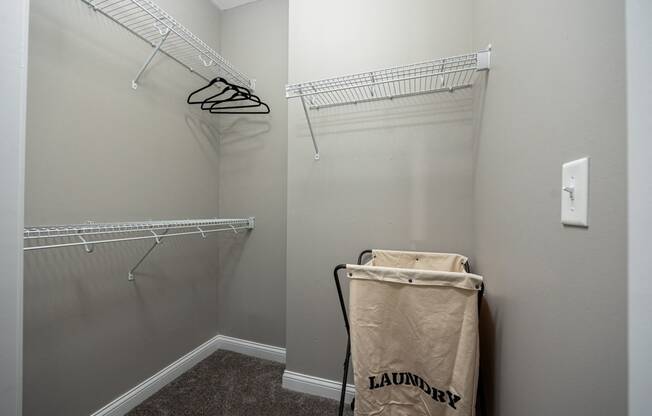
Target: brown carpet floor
x: 230, y: 384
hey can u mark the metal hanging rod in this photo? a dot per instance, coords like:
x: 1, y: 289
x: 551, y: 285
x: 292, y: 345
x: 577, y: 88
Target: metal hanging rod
x: 446, y: 74
x: 78, y: 234
x: 149, y: 22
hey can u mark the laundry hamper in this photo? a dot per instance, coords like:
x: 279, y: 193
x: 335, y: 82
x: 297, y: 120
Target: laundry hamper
x: 413, y: 334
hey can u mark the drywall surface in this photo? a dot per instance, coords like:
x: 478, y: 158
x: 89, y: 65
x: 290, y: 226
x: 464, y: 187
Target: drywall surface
x: 639, y: 103
x: 393, y: 174
x: 253, y: 169
x: 555, y: 331
x: 98, y: 150
x: 13, y: 81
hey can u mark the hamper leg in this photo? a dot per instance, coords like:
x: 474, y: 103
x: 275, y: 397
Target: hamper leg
x: 344, y: 377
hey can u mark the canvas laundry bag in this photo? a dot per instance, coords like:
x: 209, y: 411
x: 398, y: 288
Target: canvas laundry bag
x: 414, y: 334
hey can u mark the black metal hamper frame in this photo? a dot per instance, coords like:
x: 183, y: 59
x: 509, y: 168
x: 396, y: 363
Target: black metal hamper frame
x: 480, y: 403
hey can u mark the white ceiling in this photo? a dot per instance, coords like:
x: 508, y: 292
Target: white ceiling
x: 229, y: 4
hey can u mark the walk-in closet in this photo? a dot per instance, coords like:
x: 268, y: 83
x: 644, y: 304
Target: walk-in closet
x: 307, y: 208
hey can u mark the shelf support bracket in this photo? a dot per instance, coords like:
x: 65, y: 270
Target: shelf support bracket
x: 158, y: 240
x: 165, y: 33
x: 312, y: 133
x: 88, y: 247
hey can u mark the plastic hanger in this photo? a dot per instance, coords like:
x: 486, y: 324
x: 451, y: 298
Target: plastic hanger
x: 219, y: 80
x: 218, y: 108
x: 210, y: 84
x: 222, y: 106
x: 237, y: 92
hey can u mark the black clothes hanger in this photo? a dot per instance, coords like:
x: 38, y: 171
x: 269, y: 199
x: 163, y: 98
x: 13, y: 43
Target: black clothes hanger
x: 236, y: 96
x: 217, y: 108
x: 219, y: 80
x: 229, y: 110
x: 232, y: 102
x: 237, y: 92
x: 229, y: 87
x: 210, y: 84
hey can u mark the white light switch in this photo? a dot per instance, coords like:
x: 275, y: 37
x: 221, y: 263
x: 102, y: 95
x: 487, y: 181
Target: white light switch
x: 575, y: 193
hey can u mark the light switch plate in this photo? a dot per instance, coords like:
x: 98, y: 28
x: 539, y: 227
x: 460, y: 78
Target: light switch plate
x: 575, y: 193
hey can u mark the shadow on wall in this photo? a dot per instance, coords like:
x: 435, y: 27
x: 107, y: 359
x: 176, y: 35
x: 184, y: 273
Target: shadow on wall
x: 419, y: 110
x: 488, y: 349
x: 479, y: 91
x: 229, y: 135
x: 66, y: 281
x: 229, y: 259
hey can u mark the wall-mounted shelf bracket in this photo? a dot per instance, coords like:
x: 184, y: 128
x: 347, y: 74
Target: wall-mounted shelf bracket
x: 165, y: 33
x: 441, y: 75
x: 312, y: 133
x: 87, y: 246
x: 158, y: 240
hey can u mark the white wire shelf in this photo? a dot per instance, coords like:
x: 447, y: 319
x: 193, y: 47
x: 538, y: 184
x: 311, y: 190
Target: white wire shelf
x: 149, y: 22
x: 75, y: 230
x: 72, y: 235
x: 446, y: 74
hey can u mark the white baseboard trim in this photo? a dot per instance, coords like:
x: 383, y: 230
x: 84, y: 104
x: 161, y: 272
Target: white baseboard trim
x: 252, y: 349
x: 316, y: 386
x: 132, y: 398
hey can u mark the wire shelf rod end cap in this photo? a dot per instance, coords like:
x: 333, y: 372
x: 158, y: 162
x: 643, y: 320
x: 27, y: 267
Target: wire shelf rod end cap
x: 484, y: 59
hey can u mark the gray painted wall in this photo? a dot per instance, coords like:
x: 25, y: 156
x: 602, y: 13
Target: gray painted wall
x: 97, y: 150
x: 13, y: 82
x: 401, y: 175
x: 253, y: 172
x: 391, y: 175
x: 639, y: 102
x: 555, y: 340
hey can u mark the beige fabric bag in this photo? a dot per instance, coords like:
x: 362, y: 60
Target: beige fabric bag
x: 414, y: 334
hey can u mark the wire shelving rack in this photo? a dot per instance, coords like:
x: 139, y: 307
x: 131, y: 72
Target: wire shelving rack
x: 446, y: 74
x: 149, y: 22
x: 72, y: 235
